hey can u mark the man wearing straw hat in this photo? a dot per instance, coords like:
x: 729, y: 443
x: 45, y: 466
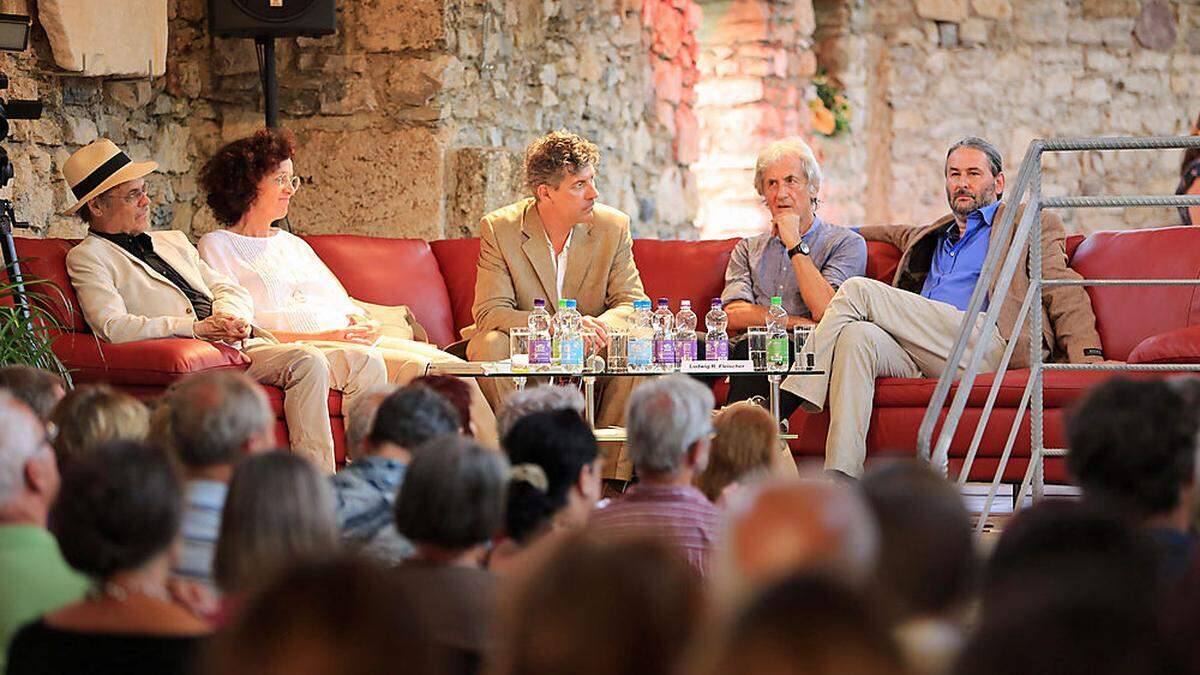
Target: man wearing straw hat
x: 136, y: 285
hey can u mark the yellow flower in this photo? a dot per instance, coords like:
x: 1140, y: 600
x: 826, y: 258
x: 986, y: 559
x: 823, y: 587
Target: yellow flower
x: 822, y: 120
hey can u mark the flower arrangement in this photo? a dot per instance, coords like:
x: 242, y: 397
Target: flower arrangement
x: 830, y: 110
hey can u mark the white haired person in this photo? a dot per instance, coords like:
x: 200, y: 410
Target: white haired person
x: 802, y: 259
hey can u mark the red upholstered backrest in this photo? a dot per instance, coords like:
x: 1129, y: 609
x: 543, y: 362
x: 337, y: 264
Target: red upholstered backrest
x: 47, y: 259
x: 683, y: 270
x: 391, y: 272
x: 457, y: 259
x: 882, y: 261
x: 1126, y: 315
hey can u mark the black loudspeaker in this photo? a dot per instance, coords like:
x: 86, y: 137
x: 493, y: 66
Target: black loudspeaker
x: 271, y: 18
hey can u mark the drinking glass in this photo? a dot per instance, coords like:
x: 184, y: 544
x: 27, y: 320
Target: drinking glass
x: 518, y: 349
x: 757, y: 341
x: 801, y: 335
x: 618, y: 351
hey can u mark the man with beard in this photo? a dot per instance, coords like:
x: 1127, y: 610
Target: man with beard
x: 871, y: 329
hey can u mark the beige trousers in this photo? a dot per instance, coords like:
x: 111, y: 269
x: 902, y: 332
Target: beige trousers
x: 870, y: 330
x: 306, y: 371
x: 612, y: 393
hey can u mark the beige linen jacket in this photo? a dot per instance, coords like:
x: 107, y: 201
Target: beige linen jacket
x: 515, y: 268
x: 1068, y: 322
x: 124, y: 299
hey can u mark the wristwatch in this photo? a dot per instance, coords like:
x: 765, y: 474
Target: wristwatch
x: 798, y: 249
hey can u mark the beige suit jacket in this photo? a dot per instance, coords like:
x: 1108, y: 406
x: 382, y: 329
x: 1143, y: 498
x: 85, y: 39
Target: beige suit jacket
x: 515, y: 268
x: 124, y: 299
x: 1068, y: 323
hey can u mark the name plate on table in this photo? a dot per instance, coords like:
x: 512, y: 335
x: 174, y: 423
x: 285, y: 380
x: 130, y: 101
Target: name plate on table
x: 720, y: 366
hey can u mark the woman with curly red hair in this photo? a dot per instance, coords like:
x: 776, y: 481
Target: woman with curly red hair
x: 249, y: 184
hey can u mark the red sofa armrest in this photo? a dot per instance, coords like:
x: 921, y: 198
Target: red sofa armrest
x: 1181, y: 345
x: 145, y: 362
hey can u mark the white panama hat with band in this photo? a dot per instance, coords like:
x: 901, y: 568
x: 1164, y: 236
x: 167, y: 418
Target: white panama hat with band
x: 97, y: 167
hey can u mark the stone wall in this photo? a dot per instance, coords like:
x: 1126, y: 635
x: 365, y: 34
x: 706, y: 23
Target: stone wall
x: 924, y: 73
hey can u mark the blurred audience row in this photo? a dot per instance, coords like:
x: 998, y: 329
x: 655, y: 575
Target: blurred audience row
x: 183, y: 540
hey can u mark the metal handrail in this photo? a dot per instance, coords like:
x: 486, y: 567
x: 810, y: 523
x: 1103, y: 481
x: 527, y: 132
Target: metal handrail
x: 1029, y: 181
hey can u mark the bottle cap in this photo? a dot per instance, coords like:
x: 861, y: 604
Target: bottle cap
x: 663, y: 302
x: 716, y: 302
x: 571, y: 304
x: 776, y: 300
x: 538, y: 302
x: 685, y: 303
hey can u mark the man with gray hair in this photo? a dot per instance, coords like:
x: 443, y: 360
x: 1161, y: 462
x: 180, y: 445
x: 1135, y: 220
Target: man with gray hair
x: 217, y: 419
x: 802, y: 259
x: 537, y: 399
x: 669, y: 432
x: 871, y: 329
x: 34, y: 578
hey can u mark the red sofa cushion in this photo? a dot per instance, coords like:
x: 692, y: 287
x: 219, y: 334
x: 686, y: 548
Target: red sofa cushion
x: 683, y: 270
x: 391, y: 272
x: 145, y: 362
x: 1127, y: 315
x: 47, y: 259
x: 457, y: 259
x: 1178, y: 346
x: 882, y: 261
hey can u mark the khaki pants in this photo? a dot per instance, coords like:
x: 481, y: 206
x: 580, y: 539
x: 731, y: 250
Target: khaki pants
x: 871, y: 330
x: 612, y: 393
x: 306, y: 371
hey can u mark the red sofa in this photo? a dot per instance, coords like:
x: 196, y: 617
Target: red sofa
x: 437, y: 280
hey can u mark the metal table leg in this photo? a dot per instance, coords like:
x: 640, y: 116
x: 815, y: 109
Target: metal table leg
x: 520, y: 382
x: 589, y: 396
x: 775, y: 379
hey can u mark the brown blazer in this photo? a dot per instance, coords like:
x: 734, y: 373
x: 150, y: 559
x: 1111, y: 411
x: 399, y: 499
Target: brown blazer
x: 515, y: 268
x: 1068, y: 323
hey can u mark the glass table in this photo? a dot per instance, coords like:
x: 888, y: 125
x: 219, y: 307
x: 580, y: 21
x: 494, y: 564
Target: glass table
x: 730, y: 368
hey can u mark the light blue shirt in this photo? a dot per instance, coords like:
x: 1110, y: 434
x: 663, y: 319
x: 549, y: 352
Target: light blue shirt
x: 201, y: 526
x: 366, y: 495
x: 958, y: 260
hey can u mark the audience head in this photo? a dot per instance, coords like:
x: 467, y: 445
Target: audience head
x: 38, y: 389
x: 668, y: 425
x: 1133, y: 445
x: 457, y: 392
x: 536, y: 399
x: 219, y: 417
x: 974, y: 175
x: 807, y: 625
x: 252, y: 174
x: 453, y: 497
x: 118, y: 510
x: 924, y: 534
x: 279, y: 510
x: 342, y: 616
x: 94, y: 414
x: 412, y: 415
x: 813, y: 526
x: 29, y: 478
x: 633, y: 606
x: 359, y: 419
x: 554, y: 472
x: 745, y: 439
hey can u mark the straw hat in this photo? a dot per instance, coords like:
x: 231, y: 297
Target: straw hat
x: 97, y: 167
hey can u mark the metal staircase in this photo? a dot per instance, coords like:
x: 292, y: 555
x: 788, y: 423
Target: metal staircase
x: 1027, y: 238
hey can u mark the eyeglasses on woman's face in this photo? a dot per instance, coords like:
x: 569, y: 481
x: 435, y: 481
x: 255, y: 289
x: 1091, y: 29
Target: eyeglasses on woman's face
x: 283, y: 180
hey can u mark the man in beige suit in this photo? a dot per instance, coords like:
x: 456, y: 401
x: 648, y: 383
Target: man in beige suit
x: 871, y: 329
x: 560, y: 243
x: 136, y: 285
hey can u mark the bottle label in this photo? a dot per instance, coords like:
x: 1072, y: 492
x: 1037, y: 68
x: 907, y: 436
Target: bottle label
x: 664, y: 351
x: 539, y: 352
x: 555, y: 350
x: 777, y: 352
x: 685, y: 350
x: 641, y: 352
x: 571, y: 352
x: 716, y: 350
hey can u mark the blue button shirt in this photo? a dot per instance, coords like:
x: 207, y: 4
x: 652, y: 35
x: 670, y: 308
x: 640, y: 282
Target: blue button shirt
x: 958, y: 260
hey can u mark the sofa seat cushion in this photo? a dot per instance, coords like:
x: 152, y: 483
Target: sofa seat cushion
x: 1177, y: 346
x: 1059, y: 389
x: 391, y: 272
x: 275, y: 398
x: 145, y: 362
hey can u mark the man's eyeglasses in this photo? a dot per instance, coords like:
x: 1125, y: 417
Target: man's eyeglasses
x: 285, y: 181
x: 134, y: 197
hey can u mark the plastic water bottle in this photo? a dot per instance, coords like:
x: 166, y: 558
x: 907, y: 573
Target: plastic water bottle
x: 685, y: 333
x: 571, y: 342
x: 777, y: 337
x: 641, y: 338
x: 716, y: 343
x: 556, y: 332
x: 664, y: 335
x: 539, y: 336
